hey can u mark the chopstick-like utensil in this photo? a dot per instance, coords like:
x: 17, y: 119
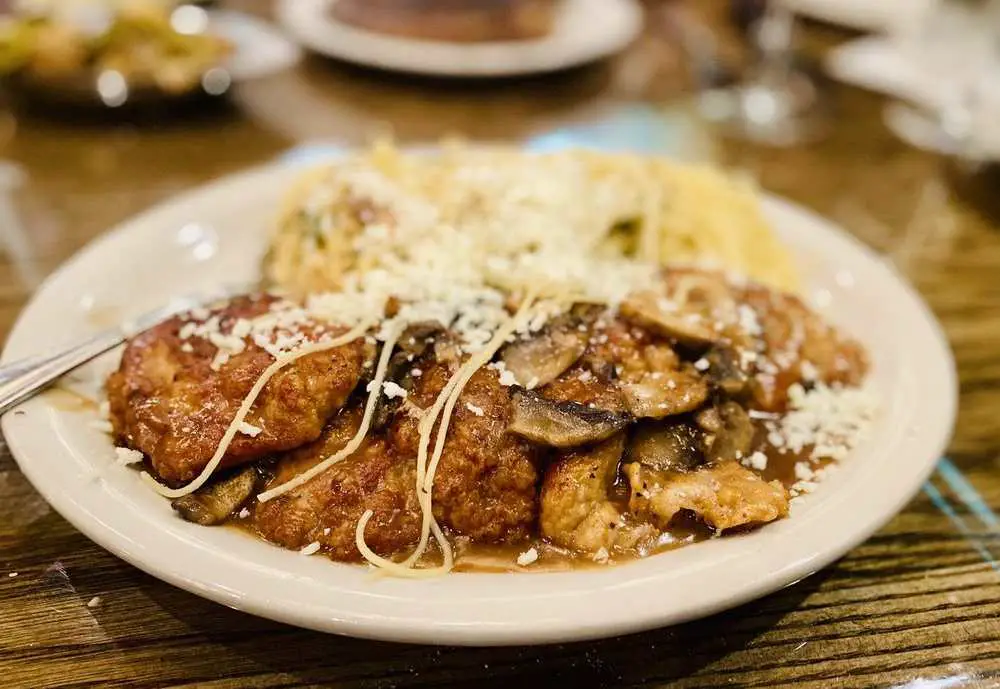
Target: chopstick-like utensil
x: 23, y: 379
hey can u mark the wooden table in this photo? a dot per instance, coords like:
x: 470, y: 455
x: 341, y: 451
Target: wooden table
x: 915, y: 606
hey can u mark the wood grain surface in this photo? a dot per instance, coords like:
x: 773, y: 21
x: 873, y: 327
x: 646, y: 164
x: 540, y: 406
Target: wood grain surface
x: 916, y: 606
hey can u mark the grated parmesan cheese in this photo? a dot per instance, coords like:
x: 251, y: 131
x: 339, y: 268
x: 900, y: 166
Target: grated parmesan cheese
x: 527, y: 557
x: 808, y: 371
x: 393, y: 390
x: 310, y: 549
x: 757, y: 460
x: 507, y: 378
x: 249, y: 429
x: 804, y: 472
x: 747, y: 320
x: 832, y: 420
x: 126, y: 455
x: 220, y: 359
x: 478, y: 411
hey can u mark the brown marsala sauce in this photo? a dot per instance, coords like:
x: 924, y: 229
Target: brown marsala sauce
x: 64, y: 399
x: 492, y: 558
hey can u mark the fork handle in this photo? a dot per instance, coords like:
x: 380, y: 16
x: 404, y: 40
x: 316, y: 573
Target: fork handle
x: 22, y: 379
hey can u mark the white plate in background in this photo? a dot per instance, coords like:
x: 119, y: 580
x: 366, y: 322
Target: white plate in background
x: 876, y: 63
x: 584, y: 31
x: 260, y: 49
x: 862, y: 15
x: 72, y: 464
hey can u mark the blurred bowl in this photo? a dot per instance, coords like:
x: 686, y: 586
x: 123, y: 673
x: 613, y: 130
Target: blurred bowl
x: 128, y: 62
x: 111, y: 91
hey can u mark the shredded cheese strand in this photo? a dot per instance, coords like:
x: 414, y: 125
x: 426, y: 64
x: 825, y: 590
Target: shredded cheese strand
x: 651, y: 223
x: 388, y: 566
x: 462, y: 377
x: 465, y: 374
x: 428, y: 526
x: 241, y: 413
x: 425, y: 427
x: 446, y: 401
x: 359, y: 437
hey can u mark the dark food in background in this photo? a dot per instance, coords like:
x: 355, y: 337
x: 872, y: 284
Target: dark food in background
x: 460, y: 21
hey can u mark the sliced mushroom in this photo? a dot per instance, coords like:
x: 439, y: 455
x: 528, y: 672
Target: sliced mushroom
x: 709, y: 420
x: 543, y: 358
x: 561, y: 424
x: 369, y: 349
x: 417, y: 337
x: 655, y: 313
x: 732, y: 435
x: 725, y: 371
x: 670, y: 393
x: 602, y: 368
x: 668, y: 446
x: 216, y: 502
x: 704, y: 290
x: 413, y: 345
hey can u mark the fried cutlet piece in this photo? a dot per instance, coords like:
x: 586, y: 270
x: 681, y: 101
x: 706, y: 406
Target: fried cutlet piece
x: 168, y: 401
x: 486, y: 482
x: 799, y: 344
x: 776, y: 339
x: 485, y: 486
x: 576, y: 509
x: 723, y: 496
x: 622, y: 362
x: 327, y: 508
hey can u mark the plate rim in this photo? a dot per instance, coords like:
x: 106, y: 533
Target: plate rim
x: 407, y: 629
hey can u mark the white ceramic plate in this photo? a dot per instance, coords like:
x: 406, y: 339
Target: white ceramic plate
x: 584, y: 31
x: 862, y: 15
x: 876, y: 63
x: 260, y: 49
x: 219, y: 233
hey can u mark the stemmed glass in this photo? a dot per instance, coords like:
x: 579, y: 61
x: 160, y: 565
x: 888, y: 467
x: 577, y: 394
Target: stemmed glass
x: 776, y: 103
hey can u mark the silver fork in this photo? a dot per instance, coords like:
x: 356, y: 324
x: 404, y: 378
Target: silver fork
x: 23, y: 379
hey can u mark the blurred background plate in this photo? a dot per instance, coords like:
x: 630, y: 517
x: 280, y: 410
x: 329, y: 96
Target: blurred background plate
x: 863, y: 15
x: 875, y: 63
x: 881, y: 64
x: 260, y: 49
x: 256, y: 49
x: 584, y: 31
